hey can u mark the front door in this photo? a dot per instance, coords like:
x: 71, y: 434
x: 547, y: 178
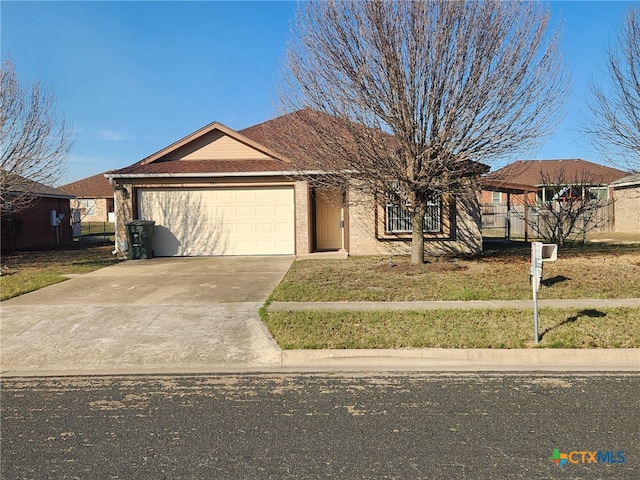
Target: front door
x: 329, y: 219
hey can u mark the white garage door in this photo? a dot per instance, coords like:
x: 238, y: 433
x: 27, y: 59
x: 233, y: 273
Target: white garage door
x: 222, y: 221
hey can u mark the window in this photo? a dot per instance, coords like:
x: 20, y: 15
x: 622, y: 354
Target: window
x: 546, y: 195
x: 599, y: 193
x: 496, y: 197
x: 571, y: 193
x: 87, y: 206
x: 398, y: 218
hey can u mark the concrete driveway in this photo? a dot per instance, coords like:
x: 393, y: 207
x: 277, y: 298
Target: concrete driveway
x: 163, y: 314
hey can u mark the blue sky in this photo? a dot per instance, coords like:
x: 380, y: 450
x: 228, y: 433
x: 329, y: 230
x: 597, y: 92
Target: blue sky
x: 133, y: 77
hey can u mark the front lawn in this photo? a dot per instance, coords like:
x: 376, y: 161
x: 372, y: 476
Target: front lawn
x: 26, y: 271
x: 497, y: 328
x: 589, y: 272
x: 582, y: 271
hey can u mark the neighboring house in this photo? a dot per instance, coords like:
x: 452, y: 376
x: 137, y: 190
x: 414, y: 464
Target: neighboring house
x: 626, y: 195
x: 511, y: 192
x: 94, y: 198
x: 224, y: 192
x: 520, y: 180
x: 45, y: 222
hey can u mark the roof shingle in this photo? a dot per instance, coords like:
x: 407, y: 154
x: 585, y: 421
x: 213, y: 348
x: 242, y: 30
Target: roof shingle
x: 96, y: 186
x: 18, y: 184
x: 531, y: 173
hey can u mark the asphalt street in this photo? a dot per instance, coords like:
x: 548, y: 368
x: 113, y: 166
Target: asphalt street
x: 330, y: 425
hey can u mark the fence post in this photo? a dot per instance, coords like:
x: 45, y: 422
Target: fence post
x: 526, y: 222
x: 508, y: 219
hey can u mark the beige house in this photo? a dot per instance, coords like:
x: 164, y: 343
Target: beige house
x: 94, y: 200
x: 626, y: 195
x: 220, y: 191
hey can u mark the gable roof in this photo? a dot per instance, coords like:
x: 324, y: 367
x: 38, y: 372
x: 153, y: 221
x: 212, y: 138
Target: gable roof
x: 278, y: 141
x: 239, y: 137
x: 168, y: 162
x: 20, y: 185
x: 529, y: 174
x: 96, y: 186
x: 628, y: 181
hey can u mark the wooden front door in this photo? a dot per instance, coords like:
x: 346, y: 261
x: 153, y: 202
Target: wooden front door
x: 329, y: 229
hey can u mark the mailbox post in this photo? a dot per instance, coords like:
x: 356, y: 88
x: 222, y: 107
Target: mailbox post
x: 540, y: 253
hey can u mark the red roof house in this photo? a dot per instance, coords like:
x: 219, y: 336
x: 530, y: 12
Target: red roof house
x: 45, y: 222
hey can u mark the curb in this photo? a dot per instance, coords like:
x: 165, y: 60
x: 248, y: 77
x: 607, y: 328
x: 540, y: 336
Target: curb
x: 439, y: 359
x: 390, y: 360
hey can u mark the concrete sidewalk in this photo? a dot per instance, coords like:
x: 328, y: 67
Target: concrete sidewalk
x: 585, y: 303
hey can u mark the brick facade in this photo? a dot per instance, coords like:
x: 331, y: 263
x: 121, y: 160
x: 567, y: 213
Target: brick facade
x: 303, y: 216
x: 461, y: 229
x: 31, y: 228
x: 124, y: 214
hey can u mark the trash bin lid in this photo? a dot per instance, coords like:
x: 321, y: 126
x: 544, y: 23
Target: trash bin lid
x: 136, y: 223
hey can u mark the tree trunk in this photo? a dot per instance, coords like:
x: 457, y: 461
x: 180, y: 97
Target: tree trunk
x: 417, y: 235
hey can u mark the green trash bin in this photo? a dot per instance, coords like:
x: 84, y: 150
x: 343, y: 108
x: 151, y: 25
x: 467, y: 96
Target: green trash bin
x: 140, y: 233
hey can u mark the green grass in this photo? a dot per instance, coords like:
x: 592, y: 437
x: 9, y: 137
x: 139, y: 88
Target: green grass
x: 25, y: 282
x: 31, y: 270
x: 578, y: 273
x: 495, y: 328
x: 582, y: 271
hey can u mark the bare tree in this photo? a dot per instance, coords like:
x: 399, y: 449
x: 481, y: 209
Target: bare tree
x: 405, y: 99
x: 567, y: 206
x: 614, y: 125
x: 34, y: 139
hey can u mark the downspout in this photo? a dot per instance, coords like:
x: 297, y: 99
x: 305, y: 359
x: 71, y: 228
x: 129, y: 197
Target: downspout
x: 115, y: 214
x: 58, y: 225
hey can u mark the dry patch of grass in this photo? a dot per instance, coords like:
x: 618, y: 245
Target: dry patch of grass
x: 27, y: 271
x: 578, y: 273
x: 497, y: 328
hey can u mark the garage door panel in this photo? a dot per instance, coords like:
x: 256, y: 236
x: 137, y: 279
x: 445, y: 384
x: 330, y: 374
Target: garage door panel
x: 264, y: 195
x: 264, y: 228
x: 220, y: 221
x: 225, y: 212
x: 282, y: 228
x: 244, y: 228
x: 264, y: 210
x: 263, y: 245
x: 246, y: 211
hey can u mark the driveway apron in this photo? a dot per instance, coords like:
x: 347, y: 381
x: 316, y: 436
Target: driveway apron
x: 162, y: 314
